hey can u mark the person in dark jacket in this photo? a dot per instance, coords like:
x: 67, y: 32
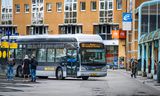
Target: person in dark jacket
x: 10, y: 63
x: 134, y: 68
x: 25, y: 67
x: 34, y: 64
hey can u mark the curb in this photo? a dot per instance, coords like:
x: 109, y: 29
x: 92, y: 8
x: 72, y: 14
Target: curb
x: 144, y: 80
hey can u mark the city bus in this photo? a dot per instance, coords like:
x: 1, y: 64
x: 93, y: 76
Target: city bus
x: 53, y: 51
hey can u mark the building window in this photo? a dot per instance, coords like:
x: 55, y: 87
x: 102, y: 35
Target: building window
x: 93, y: 6
x: 33, y: 1
x: 130, y: 6
x: 26, y: 8
x: 59, y: 7
x: 70, y: 12
x: 37, y: 30
x: 112, y: 54
x: 110, y: 5
x: 49, y: 7
x: 105, y: 12
x: 104, y: 31
x: 37, y: 11
x: 76, y: 29
x: 17, y: 8
x: 83, y: 6
x: 119, y: 4
x: 6, y: 12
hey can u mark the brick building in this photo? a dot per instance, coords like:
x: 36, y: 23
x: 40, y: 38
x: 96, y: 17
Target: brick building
x: 31, y: 17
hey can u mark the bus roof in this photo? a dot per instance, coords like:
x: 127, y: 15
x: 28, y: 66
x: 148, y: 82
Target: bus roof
x: 61, y: 37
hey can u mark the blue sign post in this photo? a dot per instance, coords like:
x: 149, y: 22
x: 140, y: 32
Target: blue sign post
x: 127, y: 17
x: 127, y: 20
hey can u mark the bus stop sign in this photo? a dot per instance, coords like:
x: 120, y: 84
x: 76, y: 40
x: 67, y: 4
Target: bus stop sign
x: 127, y: 21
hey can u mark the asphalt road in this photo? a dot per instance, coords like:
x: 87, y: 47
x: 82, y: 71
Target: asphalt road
x: 117, y: 83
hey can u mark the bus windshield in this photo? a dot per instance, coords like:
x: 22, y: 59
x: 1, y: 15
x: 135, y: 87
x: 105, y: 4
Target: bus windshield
x: 93, y: 56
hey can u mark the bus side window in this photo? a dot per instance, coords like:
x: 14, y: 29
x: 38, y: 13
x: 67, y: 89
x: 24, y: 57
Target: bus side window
x: 19, y: 54
x: 60, y: 53
x: 50, y: 55
x: 41, y: 56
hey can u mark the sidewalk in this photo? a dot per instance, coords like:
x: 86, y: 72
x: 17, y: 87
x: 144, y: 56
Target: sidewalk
x: 16, y: 79
x: 149, y: 82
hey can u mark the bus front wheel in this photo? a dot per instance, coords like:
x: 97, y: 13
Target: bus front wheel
x: 59, y: 74
x: 85, y: 78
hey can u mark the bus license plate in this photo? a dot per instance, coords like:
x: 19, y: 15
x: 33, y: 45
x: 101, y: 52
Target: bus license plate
x: 93, y: 74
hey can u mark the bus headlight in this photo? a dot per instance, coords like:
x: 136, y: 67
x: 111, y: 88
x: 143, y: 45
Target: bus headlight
x: 83, y: 68
x: 104, y: 69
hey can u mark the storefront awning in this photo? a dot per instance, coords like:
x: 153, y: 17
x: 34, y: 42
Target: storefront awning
x: 156, y: 35
x: 150, y: 37
x: 141, y: 38
x: 145, y: 38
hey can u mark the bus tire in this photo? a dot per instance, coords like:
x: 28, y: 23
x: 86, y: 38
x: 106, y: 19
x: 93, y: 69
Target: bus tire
x: 59, y: 74
x: 19, y: 72
x: 85, y: 77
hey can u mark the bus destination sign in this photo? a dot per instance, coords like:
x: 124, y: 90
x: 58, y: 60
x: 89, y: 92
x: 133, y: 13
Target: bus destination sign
x: 91, y: 45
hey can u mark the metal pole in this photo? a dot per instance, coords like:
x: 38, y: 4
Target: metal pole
x: 8, y: 49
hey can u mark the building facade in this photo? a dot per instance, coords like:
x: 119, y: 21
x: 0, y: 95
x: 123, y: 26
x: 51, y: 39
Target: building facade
x: 31, y: 17
x: 148, y: 37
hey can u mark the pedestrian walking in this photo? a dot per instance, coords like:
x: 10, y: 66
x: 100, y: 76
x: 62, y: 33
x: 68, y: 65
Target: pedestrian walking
x: 25, y: 67
x: 10, y: 63
x: 134, y: 68
x: 34, y: 64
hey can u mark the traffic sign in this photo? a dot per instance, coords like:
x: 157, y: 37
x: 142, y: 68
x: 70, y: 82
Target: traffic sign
x: 127, y: 17
x: 127, y: 21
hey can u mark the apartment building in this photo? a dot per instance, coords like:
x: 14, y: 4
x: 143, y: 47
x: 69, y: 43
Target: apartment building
x: 31, y: 17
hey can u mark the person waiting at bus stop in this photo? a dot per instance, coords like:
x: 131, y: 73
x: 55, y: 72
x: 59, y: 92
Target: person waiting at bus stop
x: 134, y: 68
x: 25, y: 67
x: 10, y: 64
x: 34, y: 64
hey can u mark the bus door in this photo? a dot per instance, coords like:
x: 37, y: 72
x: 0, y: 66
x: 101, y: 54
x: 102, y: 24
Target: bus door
x: 71, y: 62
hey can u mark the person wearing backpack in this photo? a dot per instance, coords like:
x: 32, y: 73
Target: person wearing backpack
x: 10, y: 64
x: 34, y: 64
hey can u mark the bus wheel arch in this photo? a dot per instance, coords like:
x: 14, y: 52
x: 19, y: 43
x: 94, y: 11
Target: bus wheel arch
x: 59, y: 73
